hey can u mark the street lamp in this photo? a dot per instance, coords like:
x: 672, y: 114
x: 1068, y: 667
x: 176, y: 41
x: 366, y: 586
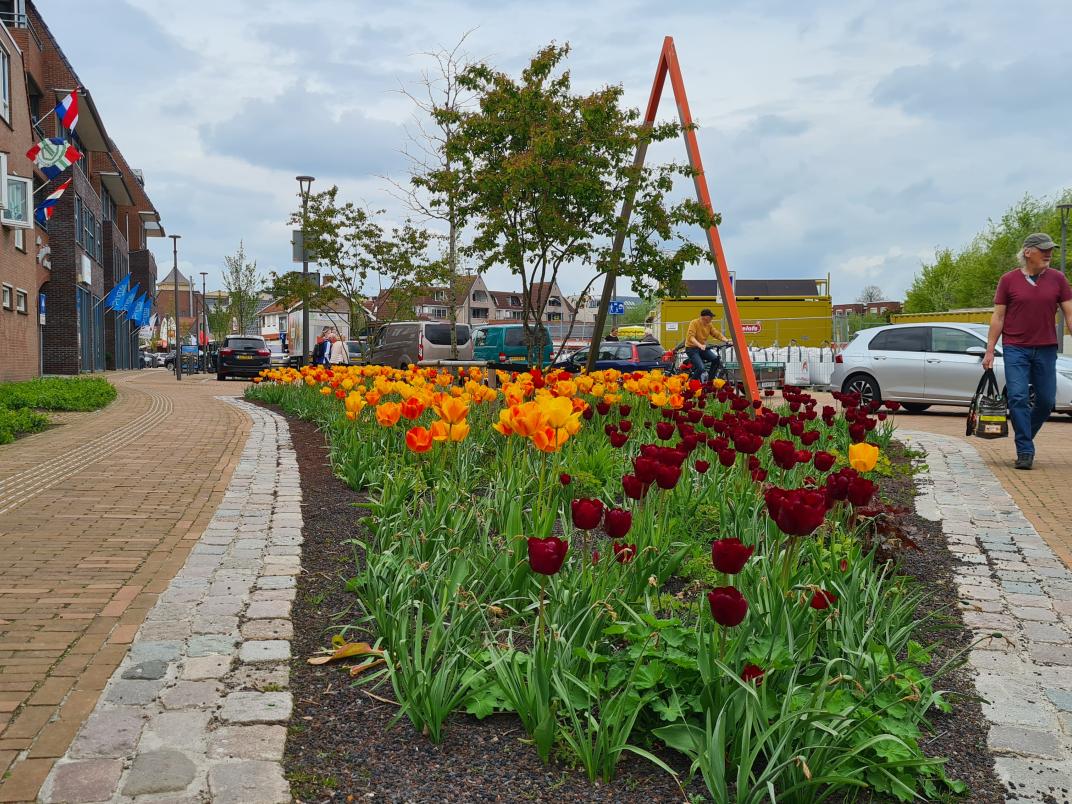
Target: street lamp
x: 1063, y: 210
x: 305, y: 184
x: 204, y: 326
x: 175, y: 284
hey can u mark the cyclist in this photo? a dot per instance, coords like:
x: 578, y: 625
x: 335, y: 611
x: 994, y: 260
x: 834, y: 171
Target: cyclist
x: 700, y: 331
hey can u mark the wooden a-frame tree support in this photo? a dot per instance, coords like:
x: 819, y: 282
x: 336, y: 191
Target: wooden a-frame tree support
x: 668, y: 65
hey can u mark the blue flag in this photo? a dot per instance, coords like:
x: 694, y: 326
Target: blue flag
x: 143, y: 312
x: 132, y: 299
x: 117, y: 295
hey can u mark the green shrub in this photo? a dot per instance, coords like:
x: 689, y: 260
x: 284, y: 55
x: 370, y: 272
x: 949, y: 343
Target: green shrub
x: 14, y: 423
x: 58, y: 393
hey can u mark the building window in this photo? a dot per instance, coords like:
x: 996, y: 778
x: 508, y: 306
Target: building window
x: 89, y: 238
x: 554, y: 316
x: 515, y: 301
x: 20, y: 301
x: 5, y: 85
x: 9, y: 294
x: 554, y: 302
x: 440, y: 295
x: 100, y: 242
x: 479, y: 312
x: 20, y: 240
x: 16, y: 193
x: 78, y: 231
x: 479, y: 296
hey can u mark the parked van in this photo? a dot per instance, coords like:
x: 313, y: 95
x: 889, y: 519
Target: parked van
x: 403, y: 342
x: 505, y: 343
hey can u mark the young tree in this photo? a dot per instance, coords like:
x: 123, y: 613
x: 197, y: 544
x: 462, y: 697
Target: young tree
x: 439, y: 103
x: 539, y: 173
x: 219, y: 321
x: 242, y: 282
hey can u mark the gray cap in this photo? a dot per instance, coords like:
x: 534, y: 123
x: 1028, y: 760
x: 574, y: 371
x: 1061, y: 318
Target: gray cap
x: 1039, y: 240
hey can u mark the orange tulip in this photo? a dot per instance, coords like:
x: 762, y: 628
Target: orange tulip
x: 373, y: 397
x: 550, y: 439
x: 440, y: 430
x: 452, y: 409
x: 527, y: 418
x: 418, y: 439
x: 505, y: 425
x: 412, y: 408
x: 388, y: 414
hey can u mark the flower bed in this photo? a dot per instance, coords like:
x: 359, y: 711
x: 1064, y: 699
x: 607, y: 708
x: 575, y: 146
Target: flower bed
x: 629, y: 562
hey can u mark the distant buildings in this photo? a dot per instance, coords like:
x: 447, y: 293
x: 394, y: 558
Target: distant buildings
x: 875, y: 308
x: 53, y: 278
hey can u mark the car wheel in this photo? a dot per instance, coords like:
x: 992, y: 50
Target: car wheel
x: 221, y: 377
x: 915, y: 407
x: 863, y: 385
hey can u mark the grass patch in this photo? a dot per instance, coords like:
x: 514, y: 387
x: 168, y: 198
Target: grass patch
x: 15, y: 423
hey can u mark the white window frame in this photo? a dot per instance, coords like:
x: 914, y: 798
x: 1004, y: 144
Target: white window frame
x: 22, y: 301
x: 8, y: 296
x: 5, y: 84
x: 5, y: 201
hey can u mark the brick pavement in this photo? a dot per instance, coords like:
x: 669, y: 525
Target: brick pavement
x: 1042, y: 494
x: 96, y: 517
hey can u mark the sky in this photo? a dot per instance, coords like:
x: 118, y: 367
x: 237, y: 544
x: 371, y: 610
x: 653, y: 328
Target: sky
x: 849, y: 139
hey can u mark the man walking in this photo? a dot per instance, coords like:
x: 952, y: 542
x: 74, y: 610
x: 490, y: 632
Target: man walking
x: 1025, y: 306
x: 700, y: 331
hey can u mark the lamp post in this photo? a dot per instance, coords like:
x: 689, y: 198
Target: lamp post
x: 175, y: 284
x: 204, y: 325
x: 1064, y: 210
x: 305, y: 184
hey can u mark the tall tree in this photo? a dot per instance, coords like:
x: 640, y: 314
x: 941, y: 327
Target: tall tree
x: 242, y: 283
x: 439, y: 102
x: 871, y: 293
x: 539, y: 172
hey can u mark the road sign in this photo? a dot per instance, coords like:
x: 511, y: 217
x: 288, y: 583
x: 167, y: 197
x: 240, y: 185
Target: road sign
x: 617, y: 308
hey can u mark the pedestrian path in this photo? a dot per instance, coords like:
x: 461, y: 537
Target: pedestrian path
x: 96, y: 517
x: 1016, y: 595
x: 198, y: 708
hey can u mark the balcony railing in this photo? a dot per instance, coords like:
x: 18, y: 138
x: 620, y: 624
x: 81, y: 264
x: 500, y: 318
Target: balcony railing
x: 12, y: 20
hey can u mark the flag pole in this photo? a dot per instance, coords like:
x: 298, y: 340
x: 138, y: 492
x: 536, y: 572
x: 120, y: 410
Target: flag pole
x: 51, y: 111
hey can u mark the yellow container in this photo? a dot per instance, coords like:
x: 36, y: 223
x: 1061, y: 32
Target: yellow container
x: 766, y: 320
x: 631, y: 333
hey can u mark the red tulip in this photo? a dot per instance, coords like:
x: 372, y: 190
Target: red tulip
x: 727, y: 457
x: 702, y: 466
x: 747, y: 443
x: 728, y: 606
x: 759, y: 475
x: 666, y: 477
x: 625, y: 425
x: 565, y: 479
x: 588, y: 413
x: 665, y: 430
x: 857, y: 432
x: 603, y: 408
x: 618, y: 440
x: 617, y: 522
x: 796, y: 512
x: 823, y: 461
x: 823, y: 599
x: 624, y: 410
x: 645, y: 468
x: 894, y: 406
x: 624, y: 553
x: 860, y: 491
x: 729, y: 555
x: 634, y: 487
x: 843, y: 565
x: 784, y: 453
x: 752, y: 672
x: 809, y: 437
x: 586, y: 513
x: 546, y: 555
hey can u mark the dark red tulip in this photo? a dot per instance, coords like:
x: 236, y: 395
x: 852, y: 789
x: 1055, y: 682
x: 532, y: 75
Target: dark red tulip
x: 645, y: 468
x: 784, y: 453
x: 588, y: 413
x: 618, y: 440
x: 727, y: 457
x: 753, y: 463
x: 796, y: 512
x: 857, y: 432
x: 860, y: 491
x: 666, y: 477
x: 843, y: 565
x: 823, y: 599
x: 565, y: 479
x: 796, y: 427
x: 702, y: 466
x: 617, y: 521
x: 603, y: 408
x: 759, y: 475
x: 586, y: 513
x: 729, y: 555
x: 624, y: 553
x: 747, y: 443
x: 894, y: 406
x: 752, y: 672
x: 707, y: 420
x: 809, y: 437
x: 546, y: 555
x: 728, y: 606
x: 625, y: 425
x: 823, y: 461
x: 634, y: 487
x: 624, y: 410
x: 768, y: 392
x: 665, y: 430
x: 595, y: 556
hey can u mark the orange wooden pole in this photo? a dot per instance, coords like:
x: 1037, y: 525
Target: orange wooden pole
x: 668, y: 64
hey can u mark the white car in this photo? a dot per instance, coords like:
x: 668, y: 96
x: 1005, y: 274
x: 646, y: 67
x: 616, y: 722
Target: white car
x: 920, y: 365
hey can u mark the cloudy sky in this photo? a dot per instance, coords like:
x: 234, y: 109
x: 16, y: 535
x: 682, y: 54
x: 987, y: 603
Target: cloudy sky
x: 847, y: 138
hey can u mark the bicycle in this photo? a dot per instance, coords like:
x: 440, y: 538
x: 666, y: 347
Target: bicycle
x: 705, y: 374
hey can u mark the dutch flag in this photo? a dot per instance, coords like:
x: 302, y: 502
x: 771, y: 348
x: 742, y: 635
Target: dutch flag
x: 67, y: 111
x: 44, y: 210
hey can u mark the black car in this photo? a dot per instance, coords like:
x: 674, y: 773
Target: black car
x: 242, y: 356
x: 621, y: 355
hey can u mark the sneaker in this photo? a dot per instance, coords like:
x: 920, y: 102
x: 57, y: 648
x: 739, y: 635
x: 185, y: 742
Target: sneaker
x: 1024, y: 461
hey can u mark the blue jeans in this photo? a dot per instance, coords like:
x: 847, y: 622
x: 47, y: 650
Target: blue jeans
x: 1026, y: 368
x: 697, y: 357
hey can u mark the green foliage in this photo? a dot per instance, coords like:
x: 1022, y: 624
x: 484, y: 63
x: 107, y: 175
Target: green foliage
x: 243, y: 283
x: 967, y: 278
x: 18, y: 422
x: 58, y: 393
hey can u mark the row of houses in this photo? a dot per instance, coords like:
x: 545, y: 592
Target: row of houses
x: 53, y: 277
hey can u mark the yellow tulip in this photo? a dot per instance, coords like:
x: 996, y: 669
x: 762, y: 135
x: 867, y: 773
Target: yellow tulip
x: 863, y: 456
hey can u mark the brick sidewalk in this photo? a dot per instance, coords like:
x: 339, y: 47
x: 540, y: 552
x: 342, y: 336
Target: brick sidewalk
x: 1042, y: 494
x: 96, y: 517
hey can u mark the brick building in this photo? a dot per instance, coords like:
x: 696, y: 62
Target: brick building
x: 191, y: 304
x: 886, y: 308
x: 99, y: 227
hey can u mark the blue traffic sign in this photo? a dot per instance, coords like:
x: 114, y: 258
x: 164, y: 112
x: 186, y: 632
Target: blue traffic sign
x: 617, y: 308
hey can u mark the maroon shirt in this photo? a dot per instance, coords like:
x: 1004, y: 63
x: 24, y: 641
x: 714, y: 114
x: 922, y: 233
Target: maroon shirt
x: 1030, y: 309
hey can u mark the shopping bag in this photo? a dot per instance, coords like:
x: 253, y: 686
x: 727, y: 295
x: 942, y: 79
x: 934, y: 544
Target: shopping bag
x: 988, y: 415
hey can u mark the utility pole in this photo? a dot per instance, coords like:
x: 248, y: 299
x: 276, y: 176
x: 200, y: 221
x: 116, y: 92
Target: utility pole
x: 204, y: 326
x: 305, y: 184
x: 175, y: 284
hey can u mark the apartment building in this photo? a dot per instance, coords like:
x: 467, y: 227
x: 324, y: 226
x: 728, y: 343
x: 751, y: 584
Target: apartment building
x: 59, y: 273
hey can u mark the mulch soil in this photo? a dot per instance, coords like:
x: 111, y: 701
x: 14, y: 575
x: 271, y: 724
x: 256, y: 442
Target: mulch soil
x: 341, y: 745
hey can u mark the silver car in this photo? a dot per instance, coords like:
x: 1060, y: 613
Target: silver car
x: 920, y: 365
